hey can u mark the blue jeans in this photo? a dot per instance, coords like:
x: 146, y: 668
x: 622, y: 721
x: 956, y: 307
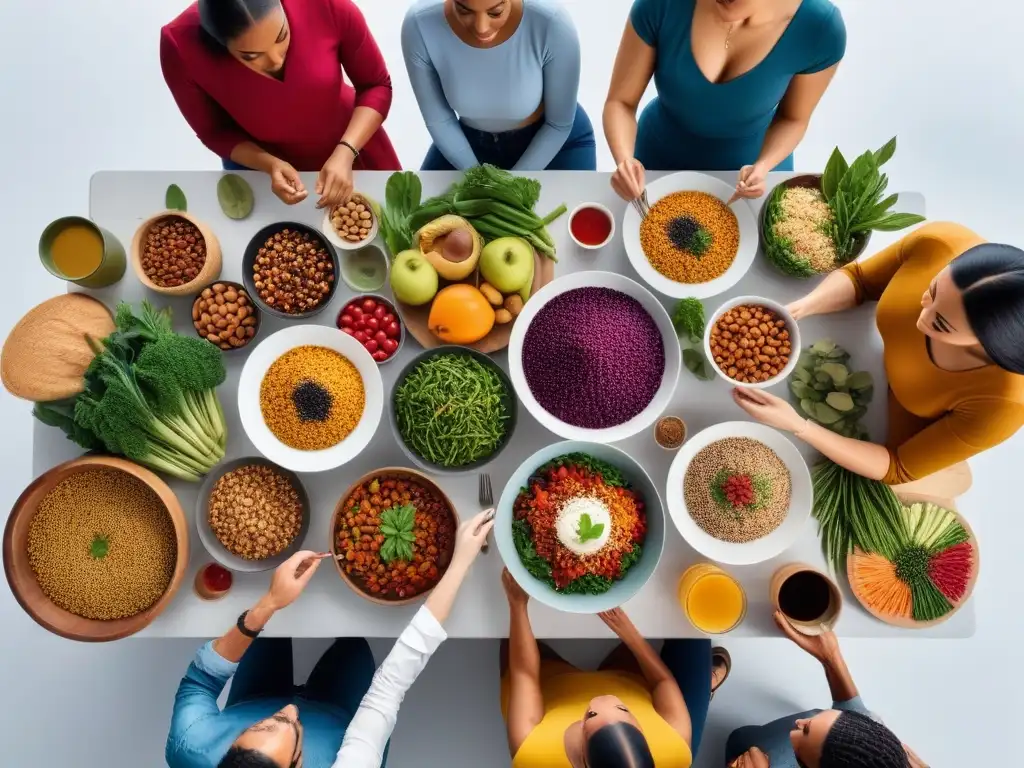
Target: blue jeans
x: 579, y: 153
x: 689, y: 661
x: 231, y: 165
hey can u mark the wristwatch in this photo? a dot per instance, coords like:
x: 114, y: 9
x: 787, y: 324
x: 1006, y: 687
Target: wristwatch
x: 250, y: 633
x: 343, y: 143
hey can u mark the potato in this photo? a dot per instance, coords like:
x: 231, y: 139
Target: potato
x: 492, y: 294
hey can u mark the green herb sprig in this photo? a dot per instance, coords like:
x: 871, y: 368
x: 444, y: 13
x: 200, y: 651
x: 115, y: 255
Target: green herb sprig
x: 99, y: 547
x: 587, y: 530
x: 396, y: 524
x: 690, y: 323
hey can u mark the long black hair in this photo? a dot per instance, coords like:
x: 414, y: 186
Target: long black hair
x: 991, y: 277
x: 618, y: 745
x: 224, y: 20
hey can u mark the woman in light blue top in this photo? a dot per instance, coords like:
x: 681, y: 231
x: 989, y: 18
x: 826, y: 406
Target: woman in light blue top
x: 737, y: 81
x: 496, y: 81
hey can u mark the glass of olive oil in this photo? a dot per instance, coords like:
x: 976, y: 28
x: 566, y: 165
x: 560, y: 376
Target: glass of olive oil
x: 77, y: 250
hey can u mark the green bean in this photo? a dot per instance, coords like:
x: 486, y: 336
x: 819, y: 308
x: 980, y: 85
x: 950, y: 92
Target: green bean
x: 452, y: 410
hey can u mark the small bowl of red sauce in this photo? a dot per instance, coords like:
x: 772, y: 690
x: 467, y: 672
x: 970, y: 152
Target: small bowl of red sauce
x: 591, y: 226
x: 213, y: 581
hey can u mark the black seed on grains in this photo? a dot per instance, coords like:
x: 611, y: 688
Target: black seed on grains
x: 681, y: 231
x: 312, y: 401
x: 593, y: 357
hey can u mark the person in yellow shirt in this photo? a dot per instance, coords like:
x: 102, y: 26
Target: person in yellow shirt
x: 631, y: 713
x: 950, y: 310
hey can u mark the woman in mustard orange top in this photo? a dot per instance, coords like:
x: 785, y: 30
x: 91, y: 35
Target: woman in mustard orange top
x: 951, y: 315
x: 631, y: 713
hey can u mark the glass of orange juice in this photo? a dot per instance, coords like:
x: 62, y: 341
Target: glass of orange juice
x: 712, y: 600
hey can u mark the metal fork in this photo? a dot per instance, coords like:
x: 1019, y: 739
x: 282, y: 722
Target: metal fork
x: 486, y: 498
x: 641, y: 205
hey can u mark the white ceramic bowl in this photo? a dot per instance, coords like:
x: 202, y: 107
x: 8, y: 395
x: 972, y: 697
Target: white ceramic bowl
x: 595, y: 279
x: 260, y: 360
x: 766, y: 547
x: 331, y: 234
x: 791, y: 326
x: 596, y: 207
x: 690, y: 181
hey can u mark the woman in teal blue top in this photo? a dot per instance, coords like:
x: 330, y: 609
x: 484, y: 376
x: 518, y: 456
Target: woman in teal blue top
x: 737, y: 82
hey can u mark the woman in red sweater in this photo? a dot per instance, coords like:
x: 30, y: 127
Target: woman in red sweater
x: 260, y: 82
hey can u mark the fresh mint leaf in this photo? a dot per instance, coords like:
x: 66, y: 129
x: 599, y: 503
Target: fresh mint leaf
x: 587, y: 531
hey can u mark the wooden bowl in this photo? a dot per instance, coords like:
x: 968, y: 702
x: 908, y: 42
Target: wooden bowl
x: 23, y: 582
x: 207, y: 275
x: 387, y: 472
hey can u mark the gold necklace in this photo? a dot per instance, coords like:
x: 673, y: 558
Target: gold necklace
x: 728, y: 34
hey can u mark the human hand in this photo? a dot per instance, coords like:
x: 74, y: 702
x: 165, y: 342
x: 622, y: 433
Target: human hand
x: 751, y: 182
x: 769, y: 409
x: 752, y: 758
x: 334, y: 184
x: 517, y: 597
x: 628, y: 181
x: 800, y: 309
x: 472, y: 535
x: 286, y: 183
x: 291, y: 577
x: 823, y: 647
x: 619, y: 623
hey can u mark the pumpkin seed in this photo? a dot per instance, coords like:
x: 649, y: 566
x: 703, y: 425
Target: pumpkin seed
x: 235, y: 196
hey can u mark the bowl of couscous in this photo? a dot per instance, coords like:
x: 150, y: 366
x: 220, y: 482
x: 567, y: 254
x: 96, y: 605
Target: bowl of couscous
x: 310, y: 398
x: 95, y: 548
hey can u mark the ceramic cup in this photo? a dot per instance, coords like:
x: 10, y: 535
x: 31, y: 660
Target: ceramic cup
x: 823, y: 623
x: 112, y: 264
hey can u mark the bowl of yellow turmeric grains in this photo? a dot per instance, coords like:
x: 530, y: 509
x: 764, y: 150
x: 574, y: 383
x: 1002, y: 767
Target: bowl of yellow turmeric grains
x: 310, y: 398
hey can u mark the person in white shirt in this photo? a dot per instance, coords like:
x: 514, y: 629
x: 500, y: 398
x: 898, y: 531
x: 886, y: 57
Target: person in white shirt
x: 263, y: 729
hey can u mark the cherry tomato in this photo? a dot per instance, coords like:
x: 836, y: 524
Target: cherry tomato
x: 380, y: 311
x: 388, y: 318
x: 356, y: 312
x: 390, y: 346
x: 361, y: 337
x: 380, y: 337
x: 369, y: 305
x: 391, y: 330
x: 346, y: 321
x: 371, y: 346
x: 372, y: 323
x: 380, y: 355
x: 349, y: 331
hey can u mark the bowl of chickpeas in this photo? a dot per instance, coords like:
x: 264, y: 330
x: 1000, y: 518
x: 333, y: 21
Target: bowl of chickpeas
x: 349, y: 226
x: 752, y: 342
x: 393, y: 535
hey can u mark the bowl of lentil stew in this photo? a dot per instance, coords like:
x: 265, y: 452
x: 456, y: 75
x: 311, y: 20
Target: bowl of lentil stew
x: 724, y: 517
x: 290, y: 270
x: 361, y: 527
x: 692, y: 242
x: 175, y: 254
x: 630, y: 478
x: 752, y: 342
x: 310, y: 398
x: 252, y: 515
x: 101, y: 570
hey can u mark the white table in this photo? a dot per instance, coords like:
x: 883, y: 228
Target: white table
x: 121, y: 201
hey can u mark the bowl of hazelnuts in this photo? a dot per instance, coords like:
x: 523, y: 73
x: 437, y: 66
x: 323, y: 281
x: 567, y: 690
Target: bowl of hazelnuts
x: 224, y: 314
x: 174, y: 253
x: 351, y: 225
x: 290, y: 270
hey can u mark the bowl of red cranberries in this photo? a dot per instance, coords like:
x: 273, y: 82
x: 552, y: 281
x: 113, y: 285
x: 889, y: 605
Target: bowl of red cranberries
x: 373, y: 321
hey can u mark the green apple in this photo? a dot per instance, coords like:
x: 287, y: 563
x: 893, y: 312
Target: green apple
x: 507, y: 263
x: 413, y: 278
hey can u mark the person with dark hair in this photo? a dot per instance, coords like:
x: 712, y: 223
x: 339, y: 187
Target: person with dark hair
x: 343, y: 716
x: 845, y: 736
x: 497, y: 81
x: 262, y: 103
x: 639, y: 710
x: 950, y: 309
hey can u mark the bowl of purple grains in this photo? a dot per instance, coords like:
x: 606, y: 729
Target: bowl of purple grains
x: 593, y: 356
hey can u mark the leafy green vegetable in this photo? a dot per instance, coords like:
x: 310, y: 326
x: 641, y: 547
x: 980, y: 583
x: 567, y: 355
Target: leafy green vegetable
x: 99, y: 546
x: 235, y: 196
x: 688, y: 319
x: 402, y: 195
x: 174, y: 199
x: 587, y: 530
x: 534, y: 564
x: 697, y: 364
x: 149, y: 395
x: 396, y: 524
x: 827, y: 393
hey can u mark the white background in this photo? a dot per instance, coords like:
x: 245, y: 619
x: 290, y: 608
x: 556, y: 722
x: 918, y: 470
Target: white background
x: 81, y: 90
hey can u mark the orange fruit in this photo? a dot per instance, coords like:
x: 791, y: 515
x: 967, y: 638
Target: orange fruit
x: 460, y: 314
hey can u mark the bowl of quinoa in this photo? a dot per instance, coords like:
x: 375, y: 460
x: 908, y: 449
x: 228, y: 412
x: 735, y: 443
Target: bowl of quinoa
x: 310, y: 398
x: 692, y: 242
x: 580, y: 526
x: 739, y: 492
x: 594, y: 356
